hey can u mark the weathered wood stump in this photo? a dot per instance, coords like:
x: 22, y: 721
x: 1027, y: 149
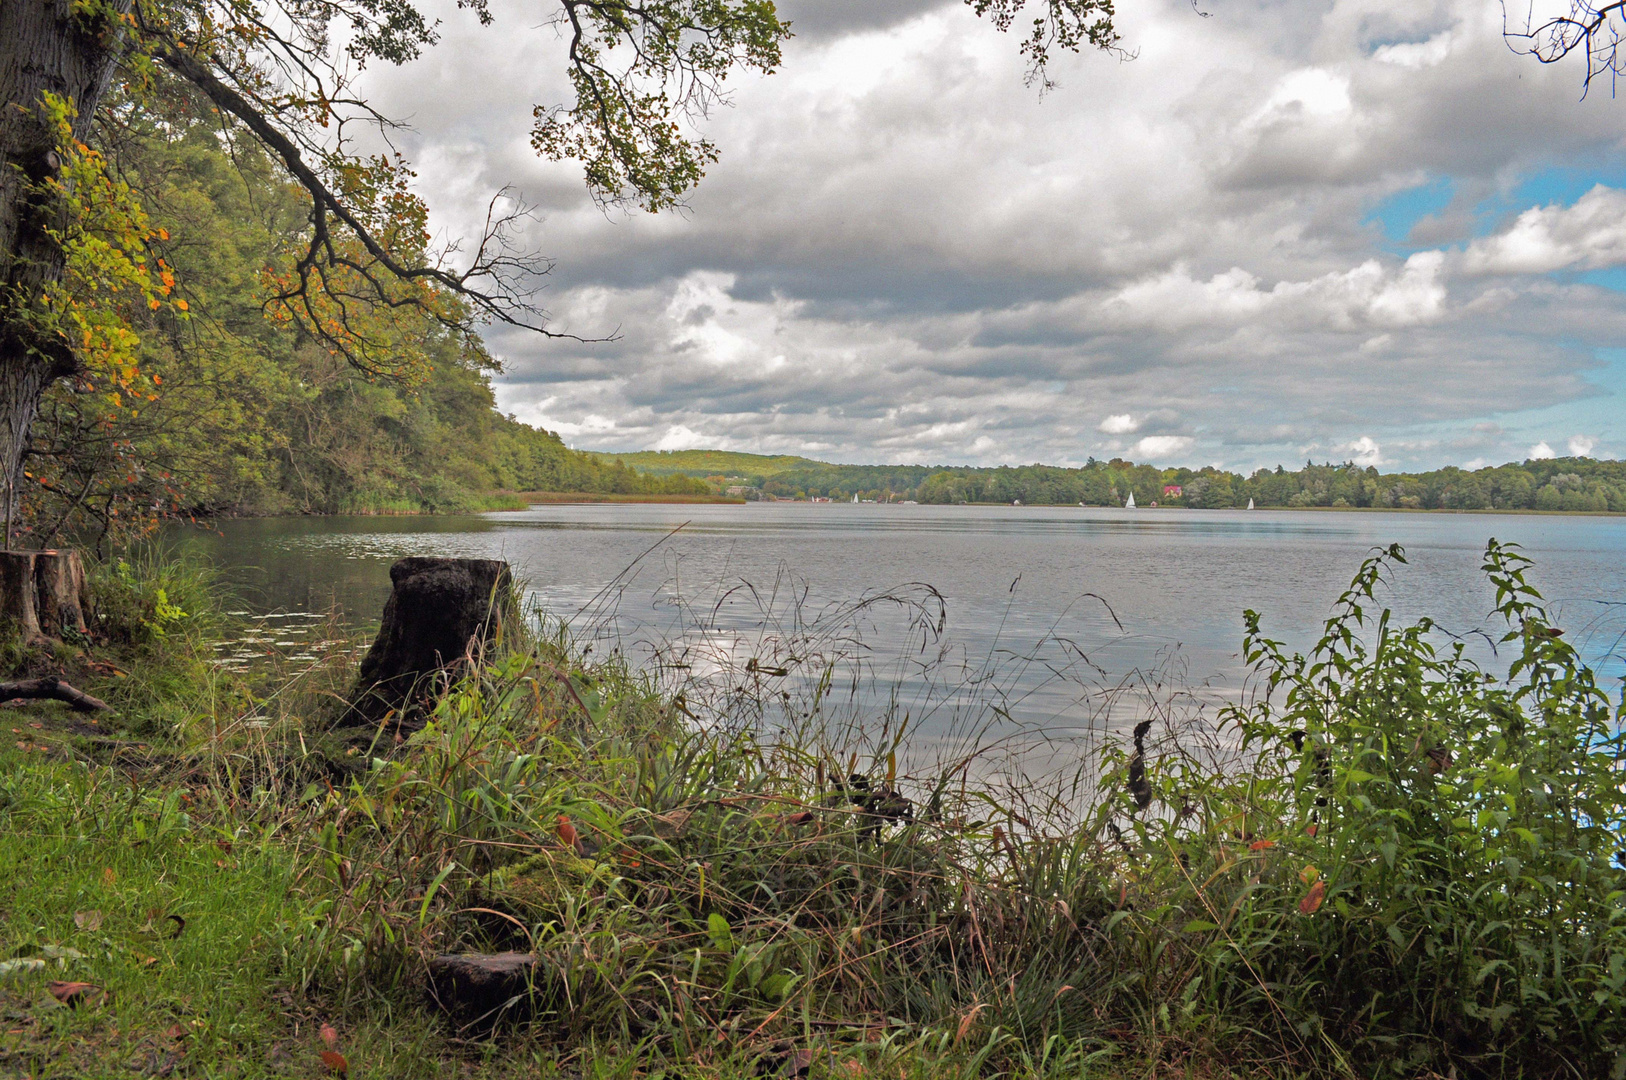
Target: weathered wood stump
x: 478, y: 989
x: 42, y: 593
x: 440, y: 612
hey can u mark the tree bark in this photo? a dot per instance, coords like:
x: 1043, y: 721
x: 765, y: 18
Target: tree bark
x: 42, y: 593
x: 45, y: 47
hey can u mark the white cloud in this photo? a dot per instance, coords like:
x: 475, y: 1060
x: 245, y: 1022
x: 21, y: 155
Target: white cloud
x: 1540, y: 452
x: 1415, y: 54
x: 1590, y: 235
x: 1582, y: 445
x: 1158, y: 447
x: 1370, y: 294
x: 1364, y: 451
x: 906, y: 254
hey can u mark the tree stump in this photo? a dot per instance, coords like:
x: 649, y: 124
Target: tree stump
x: 477, y: 989
x: 439, y: 612
x: 42, y: 593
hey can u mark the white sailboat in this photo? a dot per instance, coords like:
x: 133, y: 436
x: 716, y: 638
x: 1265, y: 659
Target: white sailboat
x: 1130, y: 505
x: 1250, y: 504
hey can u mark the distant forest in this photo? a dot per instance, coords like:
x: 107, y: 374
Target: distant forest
x: 1572, y: 484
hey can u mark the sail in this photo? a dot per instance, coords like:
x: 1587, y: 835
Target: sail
x: 1250, y: 504
x: 1130, y: 505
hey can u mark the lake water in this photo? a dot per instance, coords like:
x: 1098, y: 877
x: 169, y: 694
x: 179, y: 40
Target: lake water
x: 942, y: 611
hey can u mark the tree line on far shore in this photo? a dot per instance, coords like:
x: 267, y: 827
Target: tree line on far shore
x: 1567, y: 484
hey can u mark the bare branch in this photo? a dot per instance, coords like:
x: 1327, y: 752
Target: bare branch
x: 1590, y: 28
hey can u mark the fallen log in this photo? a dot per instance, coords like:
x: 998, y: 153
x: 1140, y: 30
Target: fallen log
x: 53, y: 689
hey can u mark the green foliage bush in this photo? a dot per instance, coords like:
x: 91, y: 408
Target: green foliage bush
x: 1418, y: 864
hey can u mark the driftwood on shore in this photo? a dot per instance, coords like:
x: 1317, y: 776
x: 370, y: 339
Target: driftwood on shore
x: 51, y: 688
x: 441, y: 612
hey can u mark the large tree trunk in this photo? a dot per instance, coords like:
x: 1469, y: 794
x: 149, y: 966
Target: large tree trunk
x: 45, y: 47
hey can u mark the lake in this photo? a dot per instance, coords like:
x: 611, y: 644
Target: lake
x: 1047, y: 613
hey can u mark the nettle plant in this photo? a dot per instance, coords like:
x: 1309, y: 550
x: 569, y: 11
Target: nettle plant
x: 1419, y: 862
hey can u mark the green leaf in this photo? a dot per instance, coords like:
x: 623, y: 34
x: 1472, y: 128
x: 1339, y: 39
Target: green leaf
x: 718, y: 929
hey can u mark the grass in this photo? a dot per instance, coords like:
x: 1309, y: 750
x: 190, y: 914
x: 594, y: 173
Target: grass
x: 1384, y: 863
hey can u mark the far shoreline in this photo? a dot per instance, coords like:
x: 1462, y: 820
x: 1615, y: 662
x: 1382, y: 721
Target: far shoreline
x: 554, y: 498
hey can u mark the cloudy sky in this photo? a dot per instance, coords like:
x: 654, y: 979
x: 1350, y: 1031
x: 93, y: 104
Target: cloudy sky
x: 1329, y: 229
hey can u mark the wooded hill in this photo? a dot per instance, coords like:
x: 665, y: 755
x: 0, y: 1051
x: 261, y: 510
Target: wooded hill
x: 1570, y: 484
x: 232, y: 410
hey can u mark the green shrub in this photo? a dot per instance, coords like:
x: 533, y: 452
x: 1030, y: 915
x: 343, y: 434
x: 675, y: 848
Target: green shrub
x: 1416, y: 865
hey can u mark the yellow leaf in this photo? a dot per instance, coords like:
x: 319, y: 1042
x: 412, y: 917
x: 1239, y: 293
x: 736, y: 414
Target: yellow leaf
x: 181, y: 304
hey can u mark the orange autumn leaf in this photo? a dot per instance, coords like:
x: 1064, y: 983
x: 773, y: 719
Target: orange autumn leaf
x: 1312, y: 899
x: 330, y: 1037
x: 335, y: 1062
x: 1261, y: 845
x: 567, y: 833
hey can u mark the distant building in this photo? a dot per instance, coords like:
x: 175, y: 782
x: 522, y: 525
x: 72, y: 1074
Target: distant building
x: 1172, y: 491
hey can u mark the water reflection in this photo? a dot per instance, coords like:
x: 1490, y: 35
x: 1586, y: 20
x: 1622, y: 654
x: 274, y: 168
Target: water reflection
x: 1053, y: 606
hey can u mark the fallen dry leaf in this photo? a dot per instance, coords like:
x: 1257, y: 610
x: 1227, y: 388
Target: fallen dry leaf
x: 88, y: 920
x: 330, y: 1037
x: 1312, y: 899
x: 108, y: 876
x: 797, y: 1063
x: 72, y: 993
x: 335, y: 1062
x: 176, y: 1031
x: 180, y: 924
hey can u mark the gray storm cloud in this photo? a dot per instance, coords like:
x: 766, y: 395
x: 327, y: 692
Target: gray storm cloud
x: 907, y: 254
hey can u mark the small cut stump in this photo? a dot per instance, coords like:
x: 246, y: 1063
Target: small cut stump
x: 42, y: 593
x: 477, y: 989
x: 440, y: 613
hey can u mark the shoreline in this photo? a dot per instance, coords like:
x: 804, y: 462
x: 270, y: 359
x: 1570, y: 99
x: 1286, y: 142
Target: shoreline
x: 556, y: 498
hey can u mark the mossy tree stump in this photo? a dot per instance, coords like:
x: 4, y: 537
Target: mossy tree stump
x: 441, y: 613
x: 42, y: 593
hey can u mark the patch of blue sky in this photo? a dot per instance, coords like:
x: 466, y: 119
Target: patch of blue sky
x: 1612, y: 278
x: 1400, y: 212
x: 1560, y: 185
